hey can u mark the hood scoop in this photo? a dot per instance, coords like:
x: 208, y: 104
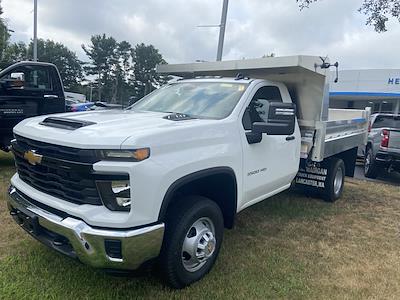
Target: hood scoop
x: 65, y: 123
x: 179, y: 117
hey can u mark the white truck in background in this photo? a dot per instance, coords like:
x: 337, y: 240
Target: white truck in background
x: 161, y: 179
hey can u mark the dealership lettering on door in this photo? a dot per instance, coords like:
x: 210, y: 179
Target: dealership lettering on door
x: 394, y: 81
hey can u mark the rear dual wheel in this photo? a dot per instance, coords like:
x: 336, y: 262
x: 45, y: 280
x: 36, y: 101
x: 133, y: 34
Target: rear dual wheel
x: 334, y: 183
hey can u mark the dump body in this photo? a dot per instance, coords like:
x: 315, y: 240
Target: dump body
x: 325, y: 132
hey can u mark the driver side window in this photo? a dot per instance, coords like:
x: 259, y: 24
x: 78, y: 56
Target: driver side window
x: 30, y: 78
x: 258, y: 109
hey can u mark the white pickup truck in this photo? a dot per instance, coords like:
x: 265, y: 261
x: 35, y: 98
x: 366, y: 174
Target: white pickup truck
x: 161, y: 179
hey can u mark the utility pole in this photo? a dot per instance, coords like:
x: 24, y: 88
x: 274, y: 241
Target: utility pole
x: 35, y: 58
x: 222, y: 30
x: 222, y: 27
x: 91, y: 92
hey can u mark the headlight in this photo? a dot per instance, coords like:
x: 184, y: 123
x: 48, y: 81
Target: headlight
x: 125, y: 155
x: 116, y: 195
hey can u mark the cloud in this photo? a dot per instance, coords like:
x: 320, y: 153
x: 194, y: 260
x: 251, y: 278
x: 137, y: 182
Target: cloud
x: 255, y: 28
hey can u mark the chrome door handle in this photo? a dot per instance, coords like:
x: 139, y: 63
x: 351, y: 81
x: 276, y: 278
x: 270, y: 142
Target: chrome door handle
x: 290, y: 138
x: 50, y: 96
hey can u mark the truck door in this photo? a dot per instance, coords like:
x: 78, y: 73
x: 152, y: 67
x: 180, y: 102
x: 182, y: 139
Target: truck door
x: 25, y: 91
x: 270, y: 164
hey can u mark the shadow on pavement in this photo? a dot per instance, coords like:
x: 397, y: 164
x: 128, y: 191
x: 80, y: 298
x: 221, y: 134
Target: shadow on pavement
x: 385, y: 177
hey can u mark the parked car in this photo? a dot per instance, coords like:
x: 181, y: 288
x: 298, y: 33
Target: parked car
x: 75, y: 106
x: 104, y: 105
x: 161, y: 179
x: 28, y: 89
x: 383, y: 147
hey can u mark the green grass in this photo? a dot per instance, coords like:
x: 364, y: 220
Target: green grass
x: 289, y: 246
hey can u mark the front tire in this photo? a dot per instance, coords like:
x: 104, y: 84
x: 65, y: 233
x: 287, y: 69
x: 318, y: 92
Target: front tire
x: 192, y: 240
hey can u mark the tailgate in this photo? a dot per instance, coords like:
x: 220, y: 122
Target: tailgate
x: 394, y: 139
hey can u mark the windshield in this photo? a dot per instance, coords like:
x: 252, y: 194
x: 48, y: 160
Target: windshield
x: 387, y: 122
x: 214, y: 100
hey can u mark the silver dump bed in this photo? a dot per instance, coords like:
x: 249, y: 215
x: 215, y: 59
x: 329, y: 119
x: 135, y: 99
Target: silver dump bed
x: 325, y: 131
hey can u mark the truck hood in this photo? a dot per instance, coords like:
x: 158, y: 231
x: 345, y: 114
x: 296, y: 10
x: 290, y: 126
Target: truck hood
x: 109, y: 129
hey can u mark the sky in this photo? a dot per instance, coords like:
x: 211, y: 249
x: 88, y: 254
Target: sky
x: 254, y: 28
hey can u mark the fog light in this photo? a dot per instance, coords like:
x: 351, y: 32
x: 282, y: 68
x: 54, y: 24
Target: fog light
x: 122, y: 192
x: 116, y: 195
x: 113, y: 248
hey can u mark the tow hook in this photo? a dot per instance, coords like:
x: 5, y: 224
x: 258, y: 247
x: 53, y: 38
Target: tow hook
x: 14, y: 213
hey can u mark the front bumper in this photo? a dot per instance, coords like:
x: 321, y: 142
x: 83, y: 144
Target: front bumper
x: 97, y: 247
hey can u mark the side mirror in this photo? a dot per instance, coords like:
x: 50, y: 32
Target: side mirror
x: 281, y: 121
x: 13, y: 83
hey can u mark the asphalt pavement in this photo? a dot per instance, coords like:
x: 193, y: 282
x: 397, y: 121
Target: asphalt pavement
x: 388, y: 178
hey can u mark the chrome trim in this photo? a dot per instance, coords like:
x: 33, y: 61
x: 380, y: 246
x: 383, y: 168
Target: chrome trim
x: 137, y: 245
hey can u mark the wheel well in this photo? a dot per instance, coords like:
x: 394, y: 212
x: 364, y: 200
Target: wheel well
x: 217, y: 184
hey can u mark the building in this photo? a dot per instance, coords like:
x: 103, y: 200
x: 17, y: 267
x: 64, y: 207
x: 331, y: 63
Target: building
x: 378, y: 89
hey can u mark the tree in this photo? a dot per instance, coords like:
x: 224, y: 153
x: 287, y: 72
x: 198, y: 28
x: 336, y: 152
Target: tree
x: 68, y: 64
x: 102, y: 54
x: 378, y: 12
x: 123, y: 71
x: 4, y: 34
x: 12, y: 53
x: 145, y: 58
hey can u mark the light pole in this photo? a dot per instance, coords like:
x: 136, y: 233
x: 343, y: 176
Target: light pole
x: 222, y: 28
x: 35, y: 58
x: 91, y: 92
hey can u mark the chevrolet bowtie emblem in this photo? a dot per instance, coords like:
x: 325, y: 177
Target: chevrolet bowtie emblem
x: 33, y: 158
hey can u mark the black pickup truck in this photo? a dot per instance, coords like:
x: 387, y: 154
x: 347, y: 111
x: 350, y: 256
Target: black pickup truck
x: 28, y: 89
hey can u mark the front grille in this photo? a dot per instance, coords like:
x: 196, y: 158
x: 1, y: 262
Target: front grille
x: 56, y: 151
x: 63, y: 172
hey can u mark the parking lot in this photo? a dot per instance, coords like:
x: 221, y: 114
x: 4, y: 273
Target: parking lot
x: 290, y: 246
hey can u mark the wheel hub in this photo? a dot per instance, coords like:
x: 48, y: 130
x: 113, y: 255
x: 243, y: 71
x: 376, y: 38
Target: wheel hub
x: 367, y: 162
x: 338, y: 181
x: 199, y: 244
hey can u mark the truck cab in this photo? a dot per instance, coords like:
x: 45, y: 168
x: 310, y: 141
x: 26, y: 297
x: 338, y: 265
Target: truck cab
x: 28, y: 89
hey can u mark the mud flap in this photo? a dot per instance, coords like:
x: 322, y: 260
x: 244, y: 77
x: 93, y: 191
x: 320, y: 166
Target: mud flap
x: 312, y: 175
